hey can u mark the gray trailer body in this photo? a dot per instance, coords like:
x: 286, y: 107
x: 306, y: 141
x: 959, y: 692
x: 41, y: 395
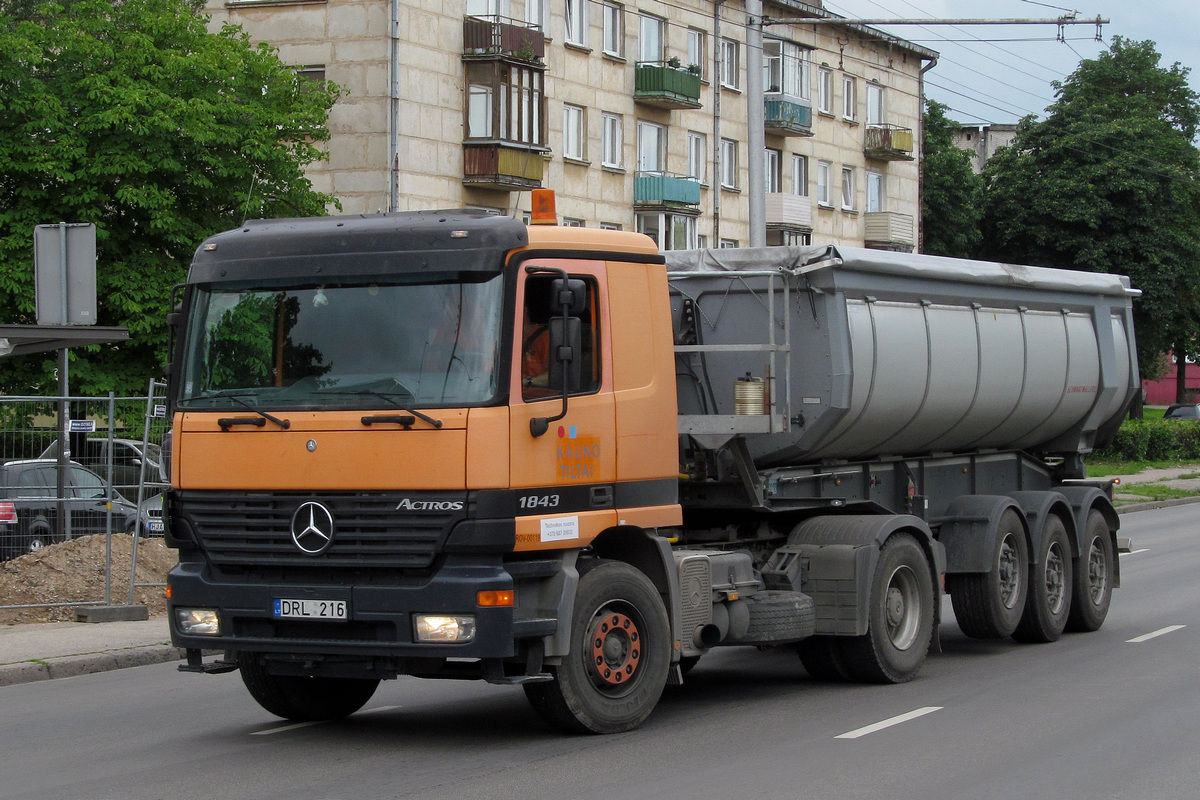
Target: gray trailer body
x: 879, y: 354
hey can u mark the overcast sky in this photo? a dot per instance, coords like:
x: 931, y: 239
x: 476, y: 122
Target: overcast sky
x: 1008, y: 76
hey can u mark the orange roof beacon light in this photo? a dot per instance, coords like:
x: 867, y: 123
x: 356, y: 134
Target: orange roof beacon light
x: 543, y: 212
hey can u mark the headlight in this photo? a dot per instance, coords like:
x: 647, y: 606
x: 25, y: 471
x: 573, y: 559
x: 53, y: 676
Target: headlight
x: 198, y: 621
x: 443, y: 628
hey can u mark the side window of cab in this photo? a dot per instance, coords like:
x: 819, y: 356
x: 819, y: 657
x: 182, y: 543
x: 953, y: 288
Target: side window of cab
x: 542, y: 323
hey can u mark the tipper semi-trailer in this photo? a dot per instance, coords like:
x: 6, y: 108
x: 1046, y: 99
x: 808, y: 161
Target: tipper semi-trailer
x: 452, y: 445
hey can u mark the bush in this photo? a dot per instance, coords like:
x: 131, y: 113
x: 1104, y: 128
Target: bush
x: 1153, y: 440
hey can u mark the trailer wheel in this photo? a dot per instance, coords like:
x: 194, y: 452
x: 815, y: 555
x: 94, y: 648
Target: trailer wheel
x: 1048, y: 602
x: 822, y: 658
x: 620, y: 654
x: 900, y: 621
x: 304, y: 699
x: 1094, y: 577
x: 988, y: 605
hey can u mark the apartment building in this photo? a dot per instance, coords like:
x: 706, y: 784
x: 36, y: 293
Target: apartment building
x: 634, y: 113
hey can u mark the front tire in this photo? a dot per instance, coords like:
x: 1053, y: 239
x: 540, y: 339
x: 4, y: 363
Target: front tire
x: 989, y: 605
x: 614, y: 674
x: 301, y: 698
x: 1049, y: 600
x: 900, y: 622
x: 1094, y: 577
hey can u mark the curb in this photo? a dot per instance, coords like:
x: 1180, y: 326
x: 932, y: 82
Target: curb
x: 87, y: 663
x: 1153, y: 504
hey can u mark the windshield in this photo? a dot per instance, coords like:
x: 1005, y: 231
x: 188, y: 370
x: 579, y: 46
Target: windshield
x: 343, y: 344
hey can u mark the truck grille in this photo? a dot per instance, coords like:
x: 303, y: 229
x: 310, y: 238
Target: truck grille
x: 249, y: 533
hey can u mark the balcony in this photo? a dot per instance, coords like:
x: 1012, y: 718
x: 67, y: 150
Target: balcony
x: 888, y: 230
x: 665, y: 86
x: 502, y: 166
x: 492, y: 36
x: 888, y: 143
x: 791, y: 213
x: 787, y: 116
x: 665, y: 189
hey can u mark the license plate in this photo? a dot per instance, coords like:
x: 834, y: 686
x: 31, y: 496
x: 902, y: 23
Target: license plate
x: 310, y: 609
x: 155, y: 527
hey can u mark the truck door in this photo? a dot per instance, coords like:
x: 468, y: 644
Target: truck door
x: 571, y: 468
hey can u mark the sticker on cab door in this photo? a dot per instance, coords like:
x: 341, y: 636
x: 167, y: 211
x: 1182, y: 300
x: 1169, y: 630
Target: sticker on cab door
x: 578, y: 456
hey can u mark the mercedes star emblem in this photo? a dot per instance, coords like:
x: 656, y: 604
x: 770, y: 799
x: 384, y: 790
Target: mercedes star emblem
x: 312, y: 528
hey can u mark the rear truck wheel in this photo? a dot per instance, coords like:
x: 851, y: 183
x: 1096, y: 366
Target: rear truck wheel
x: 620, y: 654
x: 822, y: 658
x: 988, y: 605
x: 1048, y: 602
x: 1094, y: 577
x: 301, y: 698
x: 900, y: 618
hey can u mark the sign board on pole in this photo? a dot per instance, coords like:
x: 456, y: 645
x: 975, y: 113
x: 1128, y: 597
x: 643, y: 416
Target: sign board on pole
x: 82, y: 426
x: 64, y: 261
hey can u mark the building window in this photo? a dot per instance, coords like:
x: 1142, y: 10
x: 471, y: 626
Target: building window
x: 772, y: 159
x: 825, y: 90
x: 651, y: 39
x: 571, y: 222
x: 800, y: 175
x: 729, y: 164
x: 669, y: 231
x: 785, y: 68
x: 573, y: 132
x: 849, y: 97
x: 697, y: 155
x: 729, y: 244
x: 505, y: 102
x: 876, y: 191
x: 611, y: 226
x: 874, y: 104
x: 729, y: 63
x: 847, y: 188
x: 612, y: 140
x: 577, y: 26
x: 702, y: 241
x: 652, y: 142
x: 614, y: 29
x: 487, y: 8
x: 537, y: 14
x: 824, y: 174
x: 695, y: 50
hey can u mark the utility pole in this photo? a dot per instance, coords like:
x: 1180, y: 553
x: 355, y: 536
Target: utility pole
x: 755, y: 130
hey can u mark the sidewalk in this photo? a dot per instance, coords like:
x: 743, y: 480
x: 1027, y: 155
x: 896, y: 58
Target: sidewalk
x: 36, y: 652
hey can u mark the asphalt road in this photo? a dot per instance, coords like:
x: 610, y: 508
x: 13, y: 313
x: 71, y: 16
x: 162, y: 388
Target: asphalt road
x: 1112, y: 714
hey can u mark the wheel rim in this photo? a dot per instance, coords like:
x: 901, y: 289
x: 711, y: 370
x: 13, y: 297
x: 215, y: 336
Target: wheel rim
x: 1056, y: 571
x: 615, y: 649
x: 902, y: 609
x: 1009, y: 571
x: 35, y: 545
x: 1097, y: 572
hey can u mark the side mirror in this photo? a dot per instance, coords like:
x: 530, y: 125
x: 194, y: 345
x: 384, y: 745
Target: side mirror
x: 570, y: 296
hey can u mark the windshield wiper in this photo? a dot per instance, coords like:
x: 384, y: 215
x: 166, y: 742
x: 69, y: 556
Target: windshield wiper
x: 437, y: 423
x: 227, y: 422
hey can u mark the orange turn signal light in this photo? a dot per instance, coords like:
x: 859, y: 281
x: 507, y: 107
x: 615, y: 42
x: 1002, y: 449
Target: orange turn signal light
x: 504, y: 597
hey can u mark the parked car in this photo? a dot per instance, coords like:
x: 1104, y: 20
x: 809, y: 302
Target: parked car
x: 29, y: 505
x: 126, y: 463
x: 1182, y: 411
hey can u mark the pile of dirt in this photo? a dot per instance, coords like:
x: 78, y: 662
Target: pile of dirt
x: 74, y: 571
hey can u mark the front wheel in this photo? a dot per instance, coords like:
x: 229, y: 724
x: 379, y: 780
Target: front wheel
x: 620, y: 654
x: 1094, y: 577
x: 302, y: 698
x: 900, y: 621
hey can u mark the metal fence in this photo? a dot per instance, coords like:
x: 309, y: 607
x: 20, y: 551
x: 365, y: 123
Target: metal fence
x: 107, y: 480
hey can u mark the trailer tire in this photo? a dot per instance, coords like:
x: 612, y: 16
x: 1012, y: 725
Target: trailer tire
x: 822, y: 659
x: 1048, y: 602
x: 301, y: 698
x: 900, y: 617
x: 988, y: 605
x: 1094, y: 577
x: 620, y: 654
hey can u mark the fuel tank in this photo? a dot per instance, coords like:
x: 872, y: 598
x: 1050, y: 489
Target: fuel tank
x: 866, y: 353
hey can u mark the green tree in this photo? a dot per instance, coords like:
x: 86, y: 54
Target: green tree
x: 131, y: 115
x: 1108, y: 183
x: 952, y: 194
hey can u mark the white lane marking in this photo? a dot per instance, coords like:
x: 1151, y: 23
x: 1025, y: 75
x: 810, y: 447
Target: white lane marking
x: 283, y: 728
x: 1153, y: 634
x: 887, y: 723
x: 1135, y: 552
